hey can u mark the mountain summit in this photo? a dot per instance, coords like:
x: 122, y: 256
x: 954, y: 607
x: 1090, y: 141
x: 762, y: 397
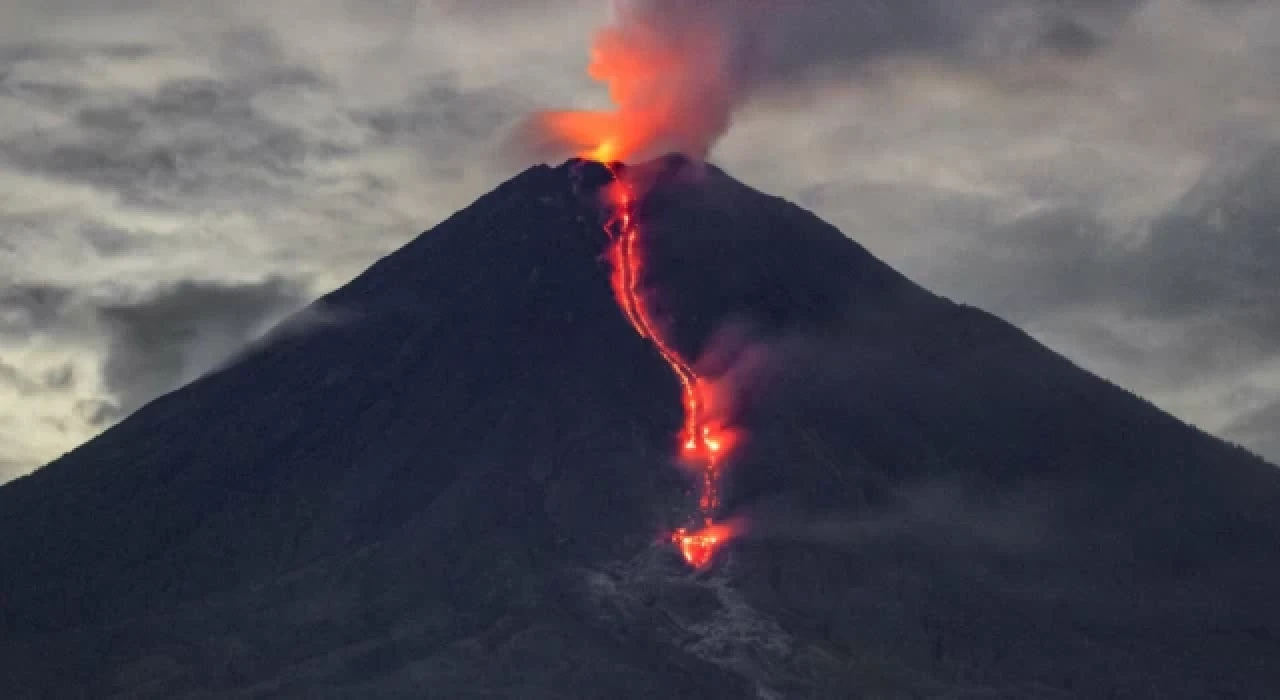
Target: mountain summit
x: 463, y: 490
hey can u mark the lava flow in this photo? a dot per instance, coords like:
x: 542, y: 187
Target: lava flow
x: 671, y: 89
x: 704, y: 441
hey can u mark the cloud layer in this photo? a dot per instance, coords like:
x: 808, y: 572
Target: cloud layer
x: 172, y: 179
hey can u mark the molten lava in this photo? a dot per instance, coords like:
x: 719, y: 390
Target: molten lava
x: 699, y: 547
x: 670, y: 92
x: 704, y: 442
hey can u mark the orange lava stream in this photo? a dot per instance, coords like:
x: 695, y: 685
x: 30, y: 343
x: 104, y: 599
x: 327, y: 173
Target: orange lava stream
x: 704, y: 443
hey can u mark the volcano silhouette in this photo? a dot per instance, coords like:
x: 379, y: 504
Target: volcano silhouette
x: 461, y: 490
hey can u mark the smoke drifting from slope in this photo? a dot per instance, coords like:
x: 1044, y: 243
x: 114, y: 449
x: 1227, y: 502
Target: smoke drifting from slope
x: 677, y: 71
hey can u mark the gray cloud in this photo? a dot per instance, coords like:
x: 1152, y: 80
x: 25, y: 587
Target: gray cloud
x: 1217, y: 252
x: 59, y: 378
x: 192, y: 139
x: 52, y: 379
x: 109, y: 241
x: 145, y: 171
x: 1037, y: 264
x: 14, y: 378
x: 704, y: 61
x: 1212, y: 254
x: 1211, y: 259
x: 178, y: 332
x: 31, y: 308
x: 156, y: 339
x: 775, y: 40
x: 1259, y: 429
x: 444, y: 120
x: 142, y: 144
x: 808, y: 36
x: 1191, y: 298
x: 96, y: 413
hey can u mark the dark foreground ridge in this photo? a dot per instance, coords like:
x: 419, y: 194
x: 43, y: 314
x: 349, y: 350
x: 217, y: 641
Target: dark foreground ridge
x: 459, y: 491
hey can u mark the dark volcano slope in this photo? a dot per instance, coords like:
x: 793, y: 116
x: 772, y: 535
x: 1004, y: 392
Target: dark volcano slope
x: 459, y: 492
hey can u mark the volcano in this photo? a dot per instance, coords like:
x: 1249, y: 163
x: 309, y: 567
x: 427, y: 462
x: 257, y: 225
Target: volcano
x: 466, y: 488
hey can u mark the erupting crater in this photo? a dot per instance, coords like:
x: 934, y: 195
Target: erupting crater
x: 705, y: 443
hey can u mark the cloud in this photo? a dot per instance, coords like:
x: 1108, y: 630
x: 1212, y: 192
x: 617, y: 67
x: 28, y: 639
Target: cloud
x: 178, y: 332
x: 1184, y: 311
x: 191, y: 140
x: 13, y: 378
x: 1041, y: 263
x: 1260, y: 430
x: 74, y: 362
x: 151, y: 162
x: 56, y: 378
x: 677, y: 72
x: 59, y: 377
x: 31, y: 308
x: 1216, y: 253
x: 143, y: 144
x: 1209, y: 261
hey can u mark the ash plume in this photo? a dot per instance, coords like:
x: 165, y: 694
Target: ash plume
x: 677, y: 71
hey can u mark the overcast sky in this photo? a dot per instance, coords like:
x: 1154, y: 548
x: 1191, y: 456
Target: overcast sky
x: 177, y: 175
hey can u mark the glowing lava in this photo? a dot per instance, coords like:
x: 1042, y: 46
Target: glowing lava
x: 699, y: 547
x: 704, y: 442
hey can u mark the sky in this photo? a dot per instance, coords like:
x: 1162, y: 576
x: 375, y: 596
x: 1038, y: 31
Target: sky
x: 177, y: 176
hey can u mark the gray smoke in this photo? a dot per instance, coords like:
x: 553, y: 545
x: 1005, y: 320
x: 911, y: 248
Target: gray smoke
x: 678, y: 70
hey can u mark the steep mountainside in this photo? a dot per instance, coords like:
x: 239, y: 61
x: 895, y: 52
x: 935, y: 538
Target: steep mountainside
x: 460, y: 491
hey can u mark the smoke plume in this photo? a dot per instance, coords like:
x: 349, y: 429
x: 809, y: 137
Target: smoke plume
x: 676, y: 70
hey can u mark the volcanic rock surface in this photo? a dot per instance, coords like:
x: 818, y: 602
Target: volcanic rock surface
x: 461, y: 490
